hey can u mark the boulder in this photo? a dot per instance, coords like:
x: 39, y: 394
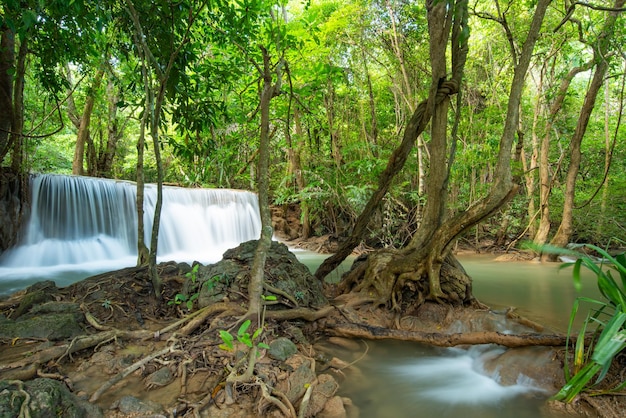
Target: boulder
x: 44, y: 398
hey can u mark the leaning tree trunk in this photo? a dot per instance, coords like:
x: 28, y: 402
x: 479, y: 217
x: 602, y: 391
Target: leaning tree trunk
x: 426, y: 269
x: 545, y: 181
x: 601, y: 57
x: 83, y: 129
x: 440, y: 91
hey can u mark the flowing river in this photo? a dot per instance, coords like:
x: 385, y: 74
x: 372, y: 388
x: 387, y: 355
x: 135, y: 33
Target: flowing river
x: 400, y: 379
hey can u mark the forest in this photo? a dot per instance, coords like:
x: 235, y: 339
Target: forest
x: 406, y: 130
x: 77, y: 79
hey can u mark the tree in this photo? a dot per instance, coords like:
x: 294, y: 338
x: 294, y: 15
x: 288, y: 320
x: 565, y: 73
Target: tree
x: 159, y: 62
x: 83, y: 123
x: 34, y: 29
x: 601, y: 59
x: 425, y: 269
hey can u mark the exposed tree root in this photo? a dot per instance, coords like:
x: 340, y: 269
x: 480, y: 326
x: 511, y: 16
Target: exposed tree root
x: 24, y: 409
x: 300, y: 313
x: 284, y: 405
x: 127, y: 371
x: 203, y: 314
x: 511, y: 314
x: 80, y: 343
x: 444, y: 340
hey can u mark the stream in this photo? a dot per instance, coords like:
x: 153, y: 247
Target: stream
x: 401, y: 379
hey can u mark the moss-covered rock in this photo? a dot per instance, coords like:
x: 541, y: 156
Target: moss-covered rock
x: 44, y: 398
x: 229, y: 277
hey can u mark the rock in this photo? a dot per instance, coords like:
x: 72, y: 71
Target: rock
x: 56, y: 307
x: 35, y: 294
x: 52, y: 327
x: 231, y: 275
x: 282, y: 348
x: 534, y: 363
x: 160, y: 378
x: 334, y: 408
x: 132, y: 405
x: 13, y: 188
x: 48, y: 398
x: 323, y: 391
x: 297, y: 382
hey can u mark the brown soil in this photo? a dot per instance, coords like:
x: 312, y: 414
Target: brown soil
x: 198, y: 367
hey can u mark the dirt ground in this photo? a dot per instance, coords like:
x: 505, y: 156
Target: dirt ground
x: 150, y: 351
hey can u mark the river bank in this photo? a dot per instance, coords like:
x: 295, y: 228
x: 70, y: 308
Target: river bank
x: 187, y: 377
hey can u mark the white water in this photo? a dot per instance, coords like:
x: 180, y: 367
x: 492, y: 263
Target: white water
x: 80, y: 226
x: 399, y: 379
x: 457, y: 377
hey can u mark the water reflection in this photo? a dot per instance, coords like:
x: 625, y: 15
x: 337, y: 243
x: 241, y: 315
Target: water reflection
x: 540, y: 291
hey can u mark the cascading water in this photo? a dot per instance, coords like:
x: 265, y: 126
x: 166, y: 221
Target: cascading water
x: 80, y: 226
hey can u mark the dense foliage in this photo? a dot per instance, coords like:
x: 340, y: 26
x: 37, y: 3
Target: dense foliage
x: 352, y: 74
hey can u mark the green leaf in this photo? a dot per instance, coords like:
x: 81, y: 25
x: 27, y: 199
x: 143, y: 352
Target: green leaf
x: 244, y: 327
x: 245, y: 339
x: 227, y: 338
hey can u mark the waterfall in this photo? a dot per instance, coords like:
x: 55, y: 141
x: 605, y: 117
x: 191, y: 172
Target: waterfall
x: 80, y: 226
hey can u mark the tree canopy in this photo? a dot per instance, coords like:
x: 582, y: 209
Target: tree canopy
x: 352, y: 74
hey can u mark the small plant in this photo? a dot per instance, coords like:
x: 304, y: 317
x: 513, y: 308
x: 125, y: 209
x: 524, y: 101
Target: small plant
x: 608, y: 317
x: 107, y: 304
x: 181, y: 298
x: 243, y: 336
x: 193, y: 274
x: 212, y: 282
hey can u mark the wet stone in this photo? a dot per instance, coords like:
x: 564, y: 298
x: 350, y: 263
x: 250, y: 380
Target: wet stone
x: 282, y: 348
x: 132, y: 405
x: 160, y: 378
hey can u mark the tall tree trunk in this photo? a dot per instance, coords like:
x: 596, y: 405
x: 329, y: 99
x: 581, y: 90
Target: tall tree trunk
x: 601, y: 57
x: 545, y: 179
x: 299, y: 173
x: 143, y: 253
x: 156, y: 221
x: 7, y: 66
x: 83, y: 129
x: 372, y: 135
x: 329, y: 100
x: 415, y: 126
x: 114, y: 133
x: 294, y: 150
x: 257, y: 271
x: 16, y: 138
x: 530, y: 167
